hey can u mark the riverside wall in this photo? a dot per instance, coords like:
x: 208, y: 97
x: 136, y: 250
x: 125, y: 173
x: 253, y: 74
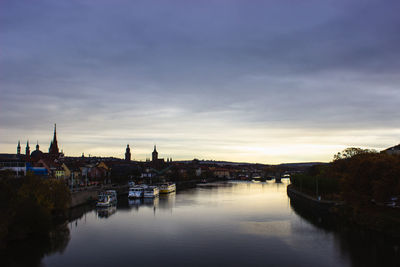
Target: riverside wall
x: 310, y: 203
x: 82, y: 197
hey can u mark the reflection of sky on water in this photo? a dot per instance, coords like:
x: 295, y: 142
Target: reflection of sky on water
x: 273, y: 228
x: 238, y: 223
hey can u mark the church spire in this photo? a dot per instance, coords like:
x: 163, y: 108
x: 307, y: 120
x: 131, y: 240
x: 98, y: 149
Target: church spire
x: 53, y: 150
x: 154, y: 155
x: 19, y: 148
x: 55, y: 133
x: 27, y: 150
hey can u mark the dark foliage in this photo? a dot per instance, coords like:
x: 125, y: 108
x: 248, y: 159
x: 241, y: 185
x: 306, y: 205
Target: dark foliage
x: 29, y: 205
x: 360, y: 177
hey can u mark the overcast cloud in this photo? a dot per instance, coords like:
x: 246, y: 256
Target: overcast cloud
x: 258, y: 81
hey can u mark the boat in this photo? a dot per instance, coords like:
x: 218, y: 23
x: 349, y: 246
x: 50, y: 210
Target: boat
x: 113, y: 195
x: 136, y: 192
x: 103, y: 201
x: 259, y: 178
x: 107, y: 198
x: 151, y: 191
x: 166, y: 188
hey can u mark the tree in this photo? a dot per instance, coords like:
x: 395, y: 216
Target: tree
x: 351, y: 152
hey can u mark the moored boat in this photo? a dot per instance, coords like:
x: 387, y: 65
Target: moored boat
x: 136, y: 192
x: 107, y: 198
x: 151, y: 191
x: 103, y: 201
x: 113, y: 195
x: 166, y: 188
x: 259, y: 178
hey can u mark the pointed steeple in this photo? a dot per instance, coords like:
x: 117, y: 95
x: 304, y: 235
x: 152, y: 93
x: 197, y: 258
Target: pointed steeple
x: 19, y: 148
x: 37, y: 145
x: 154, y: 155
x: 53, y: 150
x: 55, y: 132
x: 55, y: 135
x: 27, y: 150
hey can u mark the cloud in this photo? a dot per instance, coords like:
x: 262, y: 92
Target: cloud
x: 201, y: 72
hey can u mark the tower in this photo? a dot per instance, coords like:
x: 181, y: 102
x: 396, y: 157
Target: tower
x: 37, y: 146
x: 19, y: 148
x: 53, y: 149
x: 154, y: 155
x: 128, y: 153
x: 27, y: 150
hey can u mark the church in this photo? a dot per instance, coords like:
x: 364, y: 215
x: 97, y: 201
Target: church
x: 37, y: 154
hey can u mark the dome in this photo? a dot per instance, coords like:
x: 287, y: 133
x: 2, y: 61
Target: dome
x: 37, y: 154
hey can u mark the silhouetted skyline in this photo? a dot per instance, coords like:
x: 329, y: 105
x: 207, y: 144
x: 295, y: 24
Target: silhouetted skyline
x: 254, y: 81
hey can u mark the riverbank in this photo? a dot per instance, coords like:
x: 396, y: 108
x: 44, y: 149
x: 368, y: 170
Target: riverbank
x: 312, y: 203
x: 379, y: 219
x: 83, y: 197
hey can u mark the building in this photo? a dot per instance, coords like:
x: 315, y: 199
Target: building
x: 221, y: 173
x: 73, y: 173
x: 50, y: 165
x: 27, y: 151
x: 154, y: 155
x: 37, y: 155
x: 128, y: 153
x: 53, y: 149
x: 155, y: 161
x: 13, y: 162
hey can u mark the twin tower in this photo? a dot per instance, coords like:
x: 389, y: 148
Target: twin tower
x: 154, y: 155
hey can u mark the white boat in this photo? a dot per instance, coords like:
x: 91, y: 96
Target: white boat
x: 167, y: 188
x: 136, y: 192
x: 113, y: 195
x: 151, y: 191
x: 103, y: 201
x: 107, y: 198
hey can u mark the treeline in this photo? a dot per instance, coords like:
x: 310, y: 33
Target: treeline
x: 30, y: 205
x: 360, y: 177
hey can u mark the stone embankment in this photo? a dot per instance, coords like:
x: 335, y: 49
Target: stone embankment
x: 311, y: 203
x: 83, y: 197
x: 88, y: 195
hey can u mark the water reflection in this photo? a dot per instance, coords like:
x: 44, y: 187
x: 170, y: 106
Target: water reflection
x: 105, y: 212
x: 30, y: 252
x: 364, y: 248
x: 165, y: 202
x: 217, y: 224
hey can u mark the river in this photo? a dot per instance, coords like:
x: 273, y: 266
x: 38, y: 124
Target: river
x: 217, y: 224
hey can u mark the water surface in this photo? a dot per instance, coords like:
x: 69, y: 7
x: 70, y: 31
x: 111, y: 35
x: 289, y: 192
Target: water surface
x: 219, y: 224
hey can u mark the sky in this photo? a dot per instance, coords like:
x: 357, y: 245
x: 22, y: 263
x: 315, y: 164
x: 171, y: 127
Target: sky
x: 247, y: 81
